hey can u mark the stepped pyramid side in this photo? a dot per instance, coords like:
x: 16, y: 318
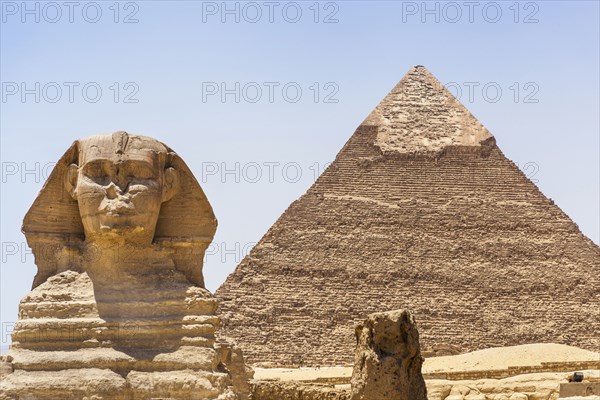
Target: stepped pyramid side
x: 420, y: 210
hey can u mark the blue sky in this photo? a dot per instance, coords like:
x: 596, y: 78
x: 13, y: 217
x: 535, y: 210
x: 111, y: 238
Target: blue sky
x: 153, y: 68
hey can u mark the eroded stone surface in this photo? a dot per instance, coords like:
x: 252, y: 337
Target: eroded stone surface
x: 421, y: 116
x: 119, y: 309
x: 275, y: 390
x: 388, y: 359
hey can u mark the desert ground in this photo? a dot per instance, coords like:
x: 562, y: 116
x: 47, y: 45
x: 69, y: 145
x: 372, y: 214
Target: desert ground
x: 495, y: 373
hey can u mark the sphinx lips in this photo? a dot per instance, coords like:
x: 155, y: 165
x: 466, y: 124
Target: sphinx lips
x: 117, y: 211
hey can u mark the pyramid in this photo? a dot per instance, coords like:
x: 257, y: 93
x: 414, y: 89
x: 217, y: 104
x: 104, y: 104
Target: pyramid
x: 419, y: 210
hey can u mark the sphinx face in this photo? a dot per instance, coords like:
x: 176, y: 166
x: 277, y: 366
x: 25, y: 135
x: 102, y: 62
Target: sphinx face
x: 120, y: 191
x: 119, y: 196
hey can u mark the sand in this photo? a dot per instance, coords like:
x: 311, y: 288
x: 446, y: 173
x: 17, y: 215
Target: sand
x: 513, y: 356
x: 488, y: 359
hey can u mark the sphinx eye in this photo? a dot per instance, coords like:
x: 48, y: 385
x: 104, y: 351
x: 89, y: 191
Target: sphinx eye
x: 144, y: 173
x: 140, y: 172
x: 95, y: 170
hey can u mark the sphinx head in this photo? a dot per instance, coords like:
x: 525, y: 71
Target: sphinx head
x: 125, y: 188
x: 120, y: 182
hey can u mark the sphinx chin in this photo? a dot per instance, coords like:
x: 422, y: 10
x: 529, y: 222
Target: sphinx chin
x: 121, y: 228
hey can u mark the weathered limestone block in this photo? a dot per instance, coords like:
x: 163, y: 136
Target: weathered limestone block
x: 388, y: 359
x: 232, y: 357
x: 5, y: 366
x: 276, y: 390
x: 461, y: 392
x: 67, y: 384
x: 118, y: 309
x: 528, y: 386
x: 581, y: 389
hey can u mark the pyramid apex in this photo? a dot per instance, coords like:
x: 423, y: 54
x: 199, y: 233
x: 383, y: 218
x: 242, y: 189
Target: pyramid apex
x: 420, y: 115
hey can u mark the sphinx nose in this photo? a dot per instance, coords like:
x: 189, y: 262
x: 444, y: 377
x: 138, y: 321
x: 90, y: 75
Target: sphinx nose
x: 112, y: 191
x: 121, y: 181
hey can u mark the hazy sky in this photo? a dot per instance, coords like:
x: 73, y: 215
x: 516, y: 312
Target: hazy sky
x: 257, y: 97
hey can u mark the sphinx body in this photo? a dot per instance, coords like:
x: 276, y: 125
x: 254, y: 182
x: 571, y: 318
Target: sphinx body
x: 118, y: 308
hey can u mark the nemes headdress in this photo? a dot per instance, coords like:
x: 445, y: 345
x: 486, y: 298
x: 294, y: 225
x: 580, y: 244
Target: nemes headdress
x: 54, y: 230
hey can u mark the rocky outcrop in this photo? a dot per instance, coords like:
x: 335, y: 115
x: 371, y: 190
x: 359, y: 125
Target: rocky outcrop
x: 387, y: 366
x: 420, y: 210
x: 388, y: 359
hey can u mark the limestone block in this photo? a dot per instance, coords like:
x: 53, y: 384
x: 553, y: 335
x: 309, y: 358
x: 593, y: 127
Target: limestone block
x: 388, y: 359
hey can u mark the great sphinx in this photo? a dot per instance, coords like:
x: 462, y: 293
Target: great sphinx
x: 118, y: 308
